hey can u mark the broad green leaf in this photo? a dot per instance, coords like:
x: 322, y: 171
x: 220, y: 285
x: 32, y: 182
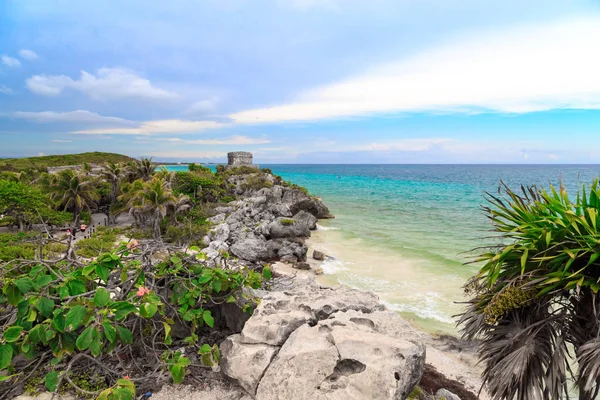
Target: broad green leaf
x: 147, y: 310
x: 178, y: 373
x: 217, y: 285
x: 125, y: 335
x: 123, y: 309
x: 24, y: 284
x: 103, y: 272
x: 13, y: 294
x: 208, y: 318
x: 43, y: 280
x: 109, y: 331
x: 13, y: 334
x: 85, y: 338
x: 122, y: 394
x: 46, y: 306
x: 97, y: 344
x: 267, y: 273
x: 102, y: 297
x: 175, y: 260
x: 76, y: 288
x: 36, y: 334
x: 6, y: 354
x: 205, y: 349
x: 204, y: 279
x: 51, y: 381
x: 75, y: 317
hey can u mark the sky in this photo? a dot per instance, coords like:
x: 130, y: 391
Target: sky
x: 303, y: 81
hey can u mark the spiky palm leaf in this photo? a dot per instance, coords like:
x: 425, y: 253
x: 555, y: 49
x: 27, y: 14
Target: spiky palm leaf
x: 537, y: 292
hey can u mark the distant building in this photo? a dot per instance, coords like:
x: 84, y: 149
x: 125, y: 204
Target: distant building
x: 240, y: 158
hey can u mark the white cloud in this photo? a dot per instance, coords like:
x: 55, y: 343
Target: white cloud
x: 230, y: 140
x: 201, y: 107
x: 6, y: 90
x: 71, y: 116
x: 107, y: 83
x: 525, y: 69
x: 28, y: 55
x: 159, y: 126
x: 417, y: 144
x: 10, y: 62
x: 187, y: 154
x: 61, y: 141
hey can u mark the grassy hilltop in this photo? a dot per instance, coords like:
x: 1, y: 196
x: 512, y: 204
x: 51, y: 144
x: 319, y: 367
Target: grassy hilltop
x: 96, y: 157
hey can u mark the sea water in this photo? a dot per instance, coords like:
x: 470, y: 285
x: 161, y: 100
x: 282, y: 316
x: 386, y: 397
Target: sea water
x: 406, y: 232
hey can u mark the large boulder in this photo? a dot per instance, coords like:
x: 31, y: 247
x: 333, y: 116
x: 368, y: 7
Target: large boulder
x: 289, y: 251
x: 288, y: 228
x: 252, y: 249
x: 221, y: 232
x: 298, y: 200
x: 306, y: 218
x: 330, y: 343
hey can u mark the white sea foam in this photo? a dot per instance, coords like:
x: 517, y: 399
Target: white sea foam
x: 332, y: 265
x: 326, y: 228
x: 422, y: 311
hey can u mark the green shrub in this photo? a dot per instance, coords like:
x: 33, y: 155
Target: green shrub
x: 256, y: 182
x: 286, y: 221
x: 103, y: 240
x: 65, y: 317
x: 186, y: 233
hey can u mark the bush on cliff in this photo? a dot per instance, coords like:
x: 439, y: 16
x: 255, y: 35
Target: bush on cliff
x: 537, y: 294
x: 125, y: 317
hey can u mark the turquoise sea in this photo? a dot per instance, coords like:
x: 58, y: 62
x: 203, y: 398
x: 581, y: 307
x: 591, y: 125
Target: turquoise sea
x: 405, y: 231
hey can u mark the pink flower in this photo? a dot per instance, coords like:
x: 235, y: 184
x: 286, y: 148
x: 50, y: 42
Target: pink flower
x: 132, y: 244
x: 142, y: 291
x: 126, y: 377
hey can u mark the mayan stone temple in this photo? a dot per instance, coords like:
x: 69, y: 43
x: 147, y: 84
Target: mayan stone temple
x: 240, y: 158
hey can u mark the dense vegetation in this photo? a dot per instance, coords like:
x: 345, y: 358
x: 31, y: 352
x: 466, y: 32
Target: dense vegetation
x: 134, y: 305
x: 40, y: 163
x: 535, y: 302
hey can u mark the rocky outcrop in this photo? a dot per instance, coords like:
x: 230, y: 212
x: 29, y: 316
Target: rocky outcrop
x: 313, y: 342
x: 268, y: 223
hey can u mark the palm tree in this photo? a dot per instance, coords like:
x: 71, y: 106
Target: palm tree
x: 538, y: 295
x: 181, y: 204
x: 144, y: 168
x: 113, y: 173
x: 167, y: 175
x: 153, y: 200
x: 72, y: 191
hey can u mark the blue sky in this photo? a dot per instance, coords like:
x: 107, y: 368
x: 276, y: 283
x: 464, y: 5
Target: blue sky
x: 303, y: 81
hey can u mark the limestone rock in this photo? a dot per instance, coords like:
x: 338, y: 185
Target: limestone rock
x: 288, y: 228
x: 317, y: 255
x: 302, y: 266
x: 245, y: 363
x: 217, y: 219
x: 306, y: 218
x: 446, y: 395
x: 221, y: 232
x: 252, y: 250
x: 281, y: 210
x: 291, y: 251
x: 336, y: 343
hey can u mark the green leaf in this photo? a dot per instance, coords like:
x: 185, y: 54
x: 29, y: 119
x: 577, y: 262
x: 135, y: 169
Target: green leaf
x: 175, y: 260
x: 46, y: 306
x: 267, y: 273
x: 13, y: 334
x: 13, y: 294
x: 63, y: 292
x: 6, y: 353
x: 59, y: 322
x: 208, y: 318
x: 230, y: 299
x: 4, y: 378
x: 217, y: 285
x: 125, y: 335
x: 97, y: 344
x: 51, y: 381
x: 204, y: 279
x: 103, y: 272
x: 76, y: 288
x: 109, y: 332
x: 205, y: 349
x: 178, y: 373
x: 102, y: 297
x: 123, y: 309
x: 36, y: 334
x: 147, y: 310
x: 86, y: 337
x: 43, y: 280
x: 24, y: 284
x: 75, y: 317
x: 122, y: 394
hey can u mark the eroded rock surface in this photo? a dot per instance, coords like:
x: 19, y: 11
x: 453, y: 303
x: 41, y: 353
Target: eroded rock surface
x: 313, y: 342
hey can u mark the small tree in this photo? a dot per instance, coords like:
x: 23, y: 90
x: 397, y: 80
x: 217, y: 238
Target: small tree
x: 22, y: 202
x: 73, y: 191
x: 537, y: 293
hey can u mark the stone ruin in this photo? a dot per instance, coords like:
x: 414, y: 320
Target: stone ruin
x: 240, y: 158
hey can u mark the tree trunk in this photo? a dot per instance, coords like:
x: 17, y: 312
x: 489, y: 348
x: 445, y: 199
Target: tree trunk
x: 20, y: 222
